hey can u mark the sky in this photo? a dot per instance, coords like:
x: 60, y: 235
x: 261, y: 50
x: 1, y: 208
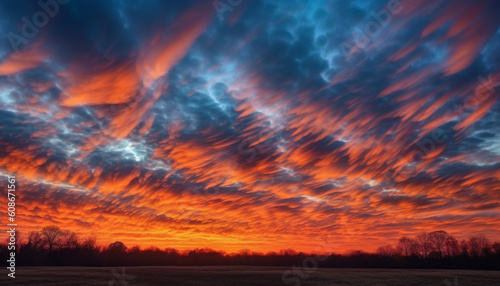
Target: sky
x: 259, y: 125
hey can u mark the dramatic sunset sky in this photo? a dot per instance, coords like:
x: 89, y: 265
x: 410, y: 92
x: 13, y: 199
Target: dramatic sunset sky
x: 272, y: 125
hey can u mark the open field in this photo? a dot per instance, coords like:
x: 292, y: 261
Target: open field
x: 245, y: 275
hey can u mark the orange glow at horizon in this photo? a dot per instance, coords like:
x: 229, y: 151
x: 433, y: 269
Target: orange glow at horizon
x: 174, y: 137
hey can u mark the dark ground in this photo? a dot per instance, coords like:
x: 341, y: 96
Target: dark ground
x: 244, y: 275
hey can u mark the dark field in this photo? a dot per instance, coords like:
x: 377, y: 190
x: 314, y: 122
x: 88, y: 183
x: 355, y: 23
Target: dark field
x: 244, y: 275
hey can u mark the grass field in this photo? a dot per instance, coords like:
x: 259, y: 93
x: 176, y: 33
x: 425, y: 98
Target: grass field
x: 244, y: 275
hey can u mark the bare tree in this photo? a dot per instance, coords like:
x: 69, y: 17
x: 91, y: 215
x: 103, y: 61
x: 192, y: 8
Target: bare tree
x: 424, y: 243
x: 117, y: 246
x: 464, y: 247
x: 496, y: 247
x: 52, y: 235
x: 89, y: 243
x: 19, y: 239
x: 438, y: 239
x: 387, y: 250
x: 452, y: 248
x: 35, y: 240
x: 134, y: 249
x: 405, y: 246
x: 71, y: 241
x: 478, y: 245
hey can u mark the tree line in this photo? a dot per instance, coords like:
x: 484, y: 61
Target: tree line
x: 437, y: 249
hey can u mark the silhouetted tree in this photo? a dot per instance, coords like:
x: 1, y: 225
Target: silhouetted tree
x: 451, y: 247
x: 478, y: 246
x: 426, y: 250
x: 438, y: 240
x: 464, y: 248
x: 406, y: 246
x: 52, y: 235
x: 134, y: 249
x: 71, y: 241
x: 387, y: 250
x: 495, y: 247
x: 424, y: 243
x: 117, y: 247
x: 89, y: 243
x: 35, y: 240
